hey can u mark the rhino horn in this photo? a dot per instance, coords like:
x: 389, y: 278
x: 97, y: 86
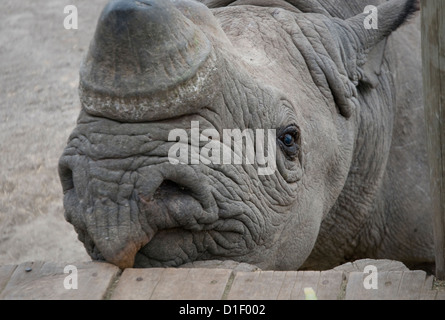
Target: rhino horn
x: 141, y: 50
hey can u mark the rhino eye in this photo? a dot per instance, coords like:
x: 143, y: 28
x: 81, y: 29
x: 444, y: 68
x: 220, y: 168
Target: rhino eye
x: 289, y: 141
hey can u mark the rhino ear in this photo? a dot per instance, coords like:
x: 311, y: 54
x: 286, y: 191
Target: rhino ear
x: 372, y: 67
x: 363, y: 44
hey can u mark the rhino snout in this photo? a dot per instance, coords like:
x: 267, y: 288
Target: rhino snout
x: 116, y: 219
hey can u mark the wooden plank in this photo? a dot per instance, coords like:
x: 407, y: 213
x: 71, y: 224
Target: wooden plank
x: 329, y: 285
x: 41, y: 280
x: 5, y: 274
x: 355, y: 289
x: 187, y: 284
x: 391, y: 285
x: 276, y: 285
x: 305, y: 279
x: 387, y: 286
x: 427, y: 292
x: 433, y: 56
x: 45, y: 281
x: 137, y: 284
x: 440, y: 295
x: 206, y: 284
x: 170, y: 285
x: 326, y: 284
x: 243, y: 285
x: 267, y: 286
x: 411, y: 286
x: 287, y: 287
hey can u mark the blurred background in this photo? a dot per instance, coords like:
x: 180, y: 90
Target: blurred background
x: 39, y: 105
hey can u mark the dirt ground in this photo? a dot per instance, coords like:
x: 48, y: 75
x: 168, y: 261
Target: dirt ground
x: 39, y: 104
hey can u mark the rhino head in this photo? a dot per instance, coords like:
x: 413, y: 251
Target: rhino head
x: 156, y: 69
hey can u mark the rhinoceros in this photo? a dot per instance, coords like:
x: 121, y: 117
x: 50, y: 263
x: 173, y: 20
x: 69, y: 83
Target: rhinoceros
x: 337, y: 84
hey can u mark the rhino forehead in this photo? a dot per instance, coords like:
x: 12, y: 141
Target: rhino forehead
x: 291, y: 53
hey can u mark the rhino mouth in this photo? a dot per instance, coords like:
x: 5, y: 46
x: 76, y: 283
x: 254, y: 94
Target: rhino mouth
x: 177, y: 246
x: 186, y: 230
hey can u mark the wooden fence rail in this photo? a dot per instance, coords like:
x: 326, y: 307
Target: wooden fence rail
x: 433, y: 55
x: 99, y: 281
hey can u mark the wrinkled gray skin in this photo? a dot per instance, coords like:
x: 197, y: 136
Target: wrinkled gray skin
x: 353, y: 184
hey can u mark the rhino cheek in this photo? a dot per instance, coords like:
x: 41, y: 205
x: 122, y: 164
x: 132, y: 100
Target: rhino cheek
x: 299, y: 235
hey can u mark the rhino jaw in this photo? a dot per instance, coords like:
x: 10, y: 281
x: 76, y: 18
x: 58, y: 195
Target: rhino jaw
x: 145, y: 61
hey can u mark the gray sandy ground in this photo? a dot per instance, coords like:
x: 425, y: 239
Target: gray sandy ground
x: 39, y: 63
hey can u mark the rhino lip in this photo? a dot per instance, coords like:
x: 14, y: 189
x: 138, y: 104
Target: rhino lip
x: 176, y: 246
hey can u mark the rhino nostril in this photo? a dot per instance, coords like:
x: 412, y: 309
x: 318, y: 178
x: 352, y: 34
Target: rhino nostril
x: 168, y: 186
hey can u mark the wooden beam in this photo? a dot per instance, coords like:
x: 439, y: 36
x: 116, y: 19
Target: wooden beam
x: 46, y: 281
x: 433, y: 55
